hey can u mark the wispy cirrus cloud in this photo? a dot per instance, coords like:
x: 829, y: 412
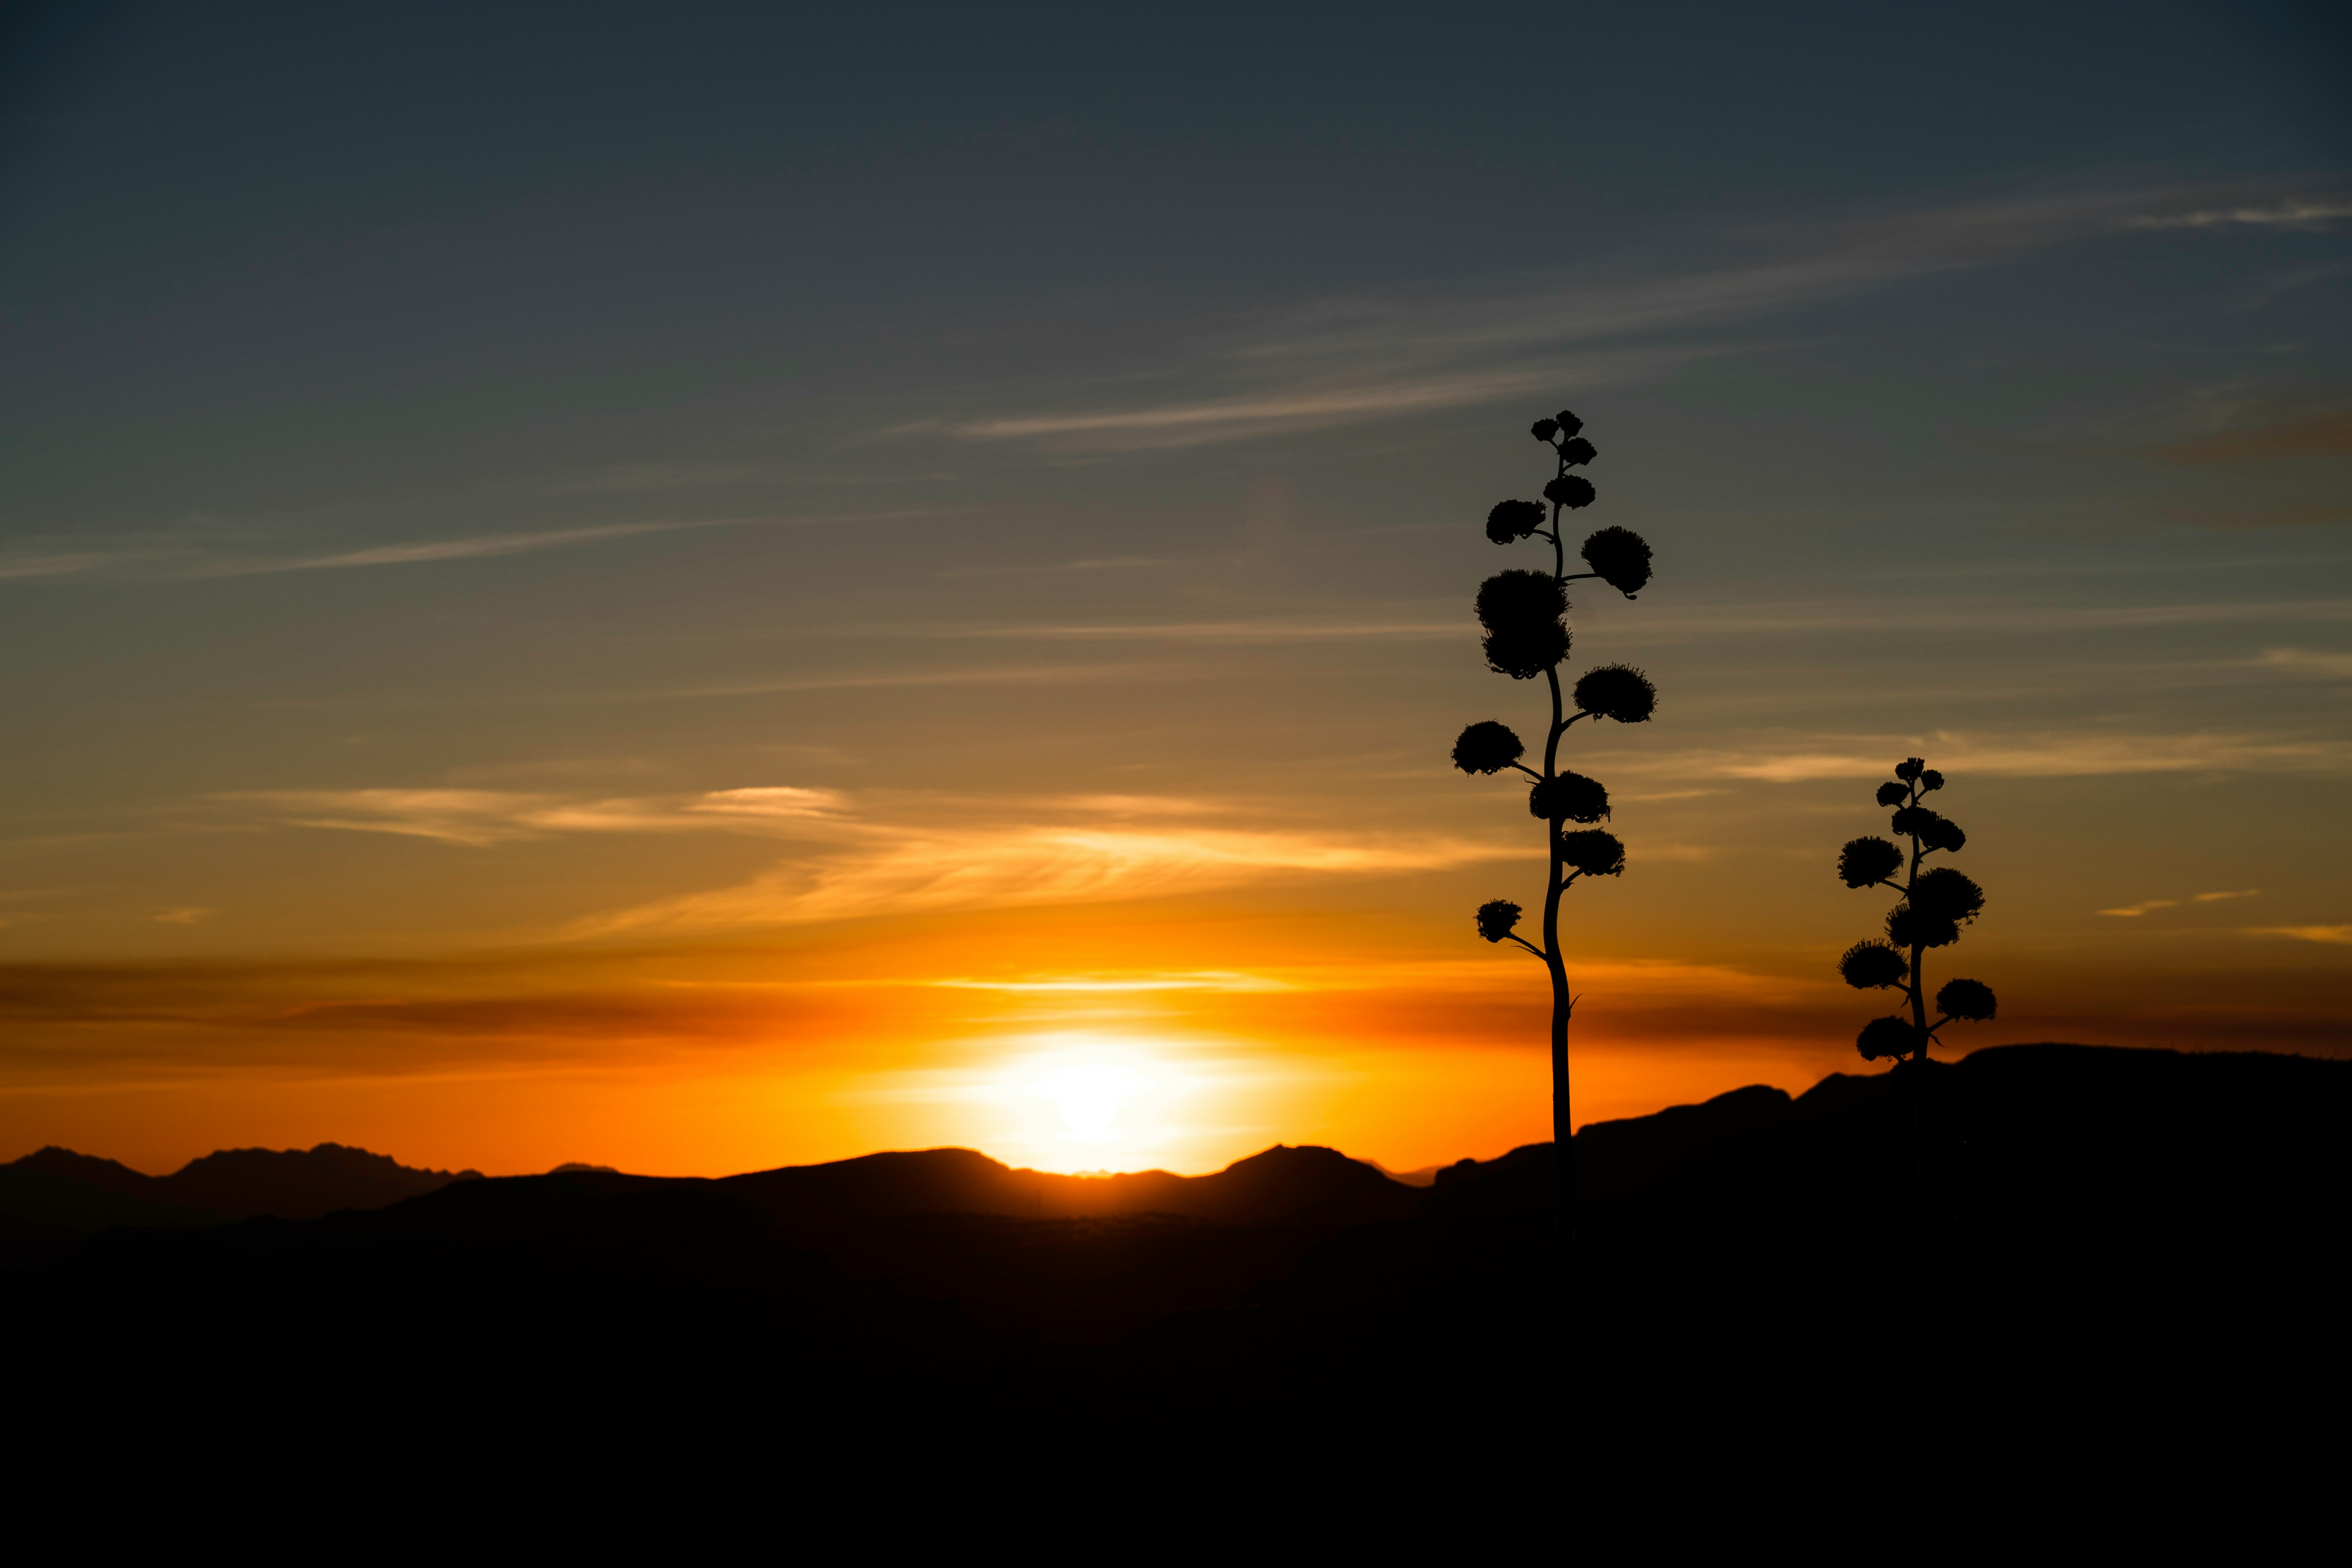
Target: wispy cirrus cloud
x: 478, y: 547
x: 2132, y: 912
x: 890, y: 860
x: 1727, y: 619
x: 488, y: 546
x: 1227, y: 418
x: 2333, y: 935
x: 1946, y: 614
x: 1221, y: 980
x: 1254, y: 631
x: 903, y: 870
x: 211, y: 559
x: 478, y: 817
x: 14, y: 564
x: 2323, y: 663
x: 1349, y: 360
x: 2045, y: 754
x: 2278, y: 215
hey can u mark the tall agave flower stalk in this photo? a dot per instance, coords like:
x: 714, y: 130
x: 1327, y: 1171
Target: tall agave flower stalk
x: 1936, y: 902
x: 1526, y: 618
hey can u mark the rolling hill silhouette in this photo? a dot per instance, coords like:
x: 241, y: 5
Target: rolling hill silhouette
x: 59, y: 1188
x: 1768, y: 1260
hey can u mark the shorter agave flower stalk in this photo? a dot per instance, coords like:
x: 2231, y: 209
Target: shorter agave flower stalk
x: 1525, y: 614
x: 1936, y: 904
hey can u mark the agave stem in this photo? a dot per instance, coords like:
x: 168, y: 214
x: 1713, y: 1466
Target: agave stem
x: 1919, y: 948
x: 1562, y: 1004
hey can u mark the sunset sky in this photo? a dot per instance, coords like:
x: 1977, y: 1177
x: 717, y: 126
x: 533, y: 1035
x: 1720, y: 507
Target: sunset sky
x: 703, y: 588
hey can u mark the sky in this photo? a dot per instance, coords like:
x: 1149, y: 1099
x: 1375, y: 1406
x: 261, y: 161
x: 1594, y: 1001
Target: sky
x: 716, y: 588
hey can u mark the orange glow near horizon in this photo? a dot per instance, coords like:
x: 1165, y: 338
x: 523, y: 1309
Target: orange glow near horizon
x: 1256, y: 1029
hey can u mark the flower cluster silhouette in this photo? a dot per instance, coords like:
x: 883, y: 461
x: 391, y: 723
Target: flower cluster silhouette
x: 1936, y: 902
x: 1524, y: 614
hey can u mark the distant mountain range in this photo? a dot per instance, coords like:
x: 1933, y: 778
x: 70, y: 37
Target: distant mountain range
x: 61, y: 1189
x: 57, y: 1187
x: 1954, y: 1243
x: 2075, y: 1115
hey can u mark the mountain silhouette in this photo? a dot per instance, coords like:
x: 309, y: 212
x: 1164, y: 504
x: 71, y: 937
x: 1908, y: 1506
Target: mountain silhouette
x: 1745, y: 1273
x: 57, y: 1187
x: 61, y: 1189
x: 1281, y: 1185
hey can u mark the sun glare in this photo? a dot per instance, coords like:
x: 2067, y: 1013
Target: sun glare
x: 1086, y: 1100
x: 1094, y: 1100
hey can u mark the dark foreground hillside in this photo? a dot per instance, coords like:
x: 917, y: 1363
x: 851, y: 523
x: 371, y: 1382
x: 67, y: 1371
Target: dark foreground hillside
x: 2037, y: 1240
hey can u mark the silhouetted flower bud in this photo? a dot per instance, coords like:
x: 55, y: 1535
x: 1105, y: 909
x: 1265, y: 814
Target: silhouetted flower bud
x: 1496, y: 918
x: 1945, y: 833
x: 1968, y: 999
x: 1948, y: 893
x: 1486, y: 747
x: 1570, y: 797
x: 1867, y: 964
x: 1528, y: 652
x: 1569, y: 422
x: 1621, y: 557
x: 1909, y: 926
x: 1521, y: 612
x: 1908, y: 769
x: 1544, y: 429
x: 1893, y: 795
x: 1509, y: 600
x: 1617, y: 691
x: 1577, y: 451
x: 1931, y: 779
x: 1570, y: 490
x: 1513, y: 520
x: 1593, y: 851
x: 1915, y: 819
x: 1868, y: 861
x: 1887, y: 1038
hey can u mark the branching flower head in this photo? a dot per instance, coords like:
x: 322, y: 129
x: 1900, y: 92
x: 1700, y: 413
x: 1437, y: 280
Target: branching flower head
x: 1512, y: 520
x: 1865, y: 862
x: 1620, y: 557
x: 1521, y: 612
x: 1909, y: 926
x: 1577, y: 451
x: 1570, y: 797
x: 1617, y: 691
x: 1570, y: 490
x: 1544, y: 429
x: 1568, y: 424
x: 1496, y: 918
x: 1867, y: 965
x: 1971, y: 1000
x: 1915, y: 819
x: 1936, y: 904
x: 1887, y: 1038
x: 1594, y: 852
x: 1949, y: 894
x: 1515, y: 598
x: 1487, y: 747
